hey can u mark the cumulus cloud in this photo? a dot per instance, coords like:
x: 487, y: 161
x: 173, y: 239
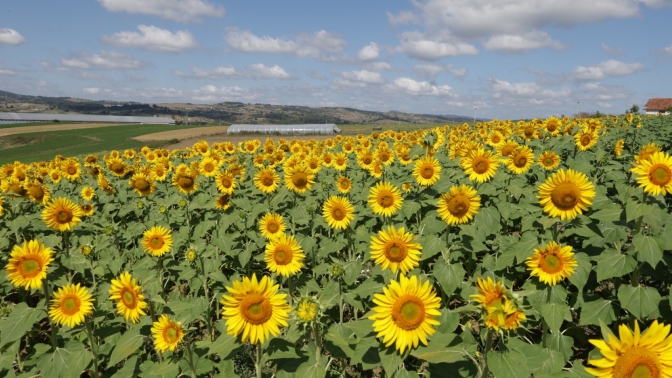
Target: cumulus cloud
x: 420, y: 88
x: 364, y: 76
x: 369, y: 52
x: 252, y: 71
x: 666, y: 50
x: 153, y: 38
x: 420, y: 46
x: 518, y: 43
x: 318, y: 45
x: 605, y: 105
x: 213, y: 93
x: 611, y: 50
x: 7, y: 72
x: 175, y: 10
x: 91, y: 90
x: 604, y: 92
x: 532, y: 92
x: 11, y: 37
x: 108, y: 60
x: 609, y: 68
x: 430, y: 71
x: 378, y: 66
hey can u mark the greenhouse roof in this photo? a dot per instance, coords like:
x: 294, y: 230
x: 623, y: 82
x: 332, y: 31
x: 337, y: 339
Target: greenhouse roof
x: 319, y: 128
x: 49, y: 117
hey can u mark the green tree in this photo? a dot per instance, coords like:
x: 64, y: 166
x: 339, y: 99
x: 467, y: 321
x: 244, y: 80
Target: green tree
x: 634, y: 108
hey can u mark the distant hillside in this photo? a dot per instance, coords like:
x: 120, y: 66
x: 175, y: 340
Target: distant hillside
x: 220, y: 113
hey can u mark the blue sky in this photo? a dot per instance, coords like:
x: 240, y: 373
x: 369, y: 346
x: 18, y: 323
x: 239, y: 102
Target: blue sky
x: 507, y: 58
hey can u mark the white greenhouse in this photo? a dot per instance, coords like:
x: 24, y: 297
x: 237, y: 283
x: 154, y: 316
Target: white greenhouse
x: 48, y: 117
x: 319, y: 128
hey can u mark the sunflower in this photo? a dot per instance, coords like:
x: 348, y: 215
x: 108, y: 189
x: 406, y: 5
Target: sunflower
x: 159, y: 172
x: 27, y: 265
x: 338, y: 212
x: 71, y: 303
x: 299, y: 178
x: 142, y: 184
x: 61, y: 214
x: 284, y: 256
x: 185, y: 182
x: 646, y: 151
x: 552, y: 264
x: 166, y: 333
x: 459, y: 205
x: 655, y: 173
x: 549, y: 160
x: 116, y: 166
x: 495, y: 138
x: 553, y: 125
x: 37, y: 192
x: 104, y: 184
x: 585, y: 139
x: 618, y: 148
x: 223, y: 202
x: 128, y: 296
x: 157, y: 241
x: 71, y: 169
x: 505, y: 149
x: 490, y: 293
x: 395, y: 250
x: 87, y: 209
x: 427, y: 171
x: 480, y: 165
x: 647, y: 354
x: 343, y: 184
x: 405, y: 313
x: 2, y: 202
x: 87, y: 193
x: 271, y: 225
x: 520, y: 160
x: 307, y: 311
x: 255, y: 309
x: 55, y: 176
x: 267, y: 180
x: 566, y: 194
x: 385, y: 199
x: 208, y: 166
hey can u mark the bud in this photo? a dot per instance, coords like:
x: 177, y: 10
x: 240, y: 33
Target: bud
x: 182, y: 203
x: 191, y: 255
x: 162, y: 209
x: 307, y: 310
x: 109, y: 231
x: 85, y: 249
x: 336, y: 270
x: 140, y: 205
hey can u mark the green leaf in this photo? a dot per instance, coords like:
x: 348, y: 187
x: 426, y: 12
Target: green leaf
x: 608, y: 214
x: 583, y: 268
x: 19, y: 321
x: 79, y: 358
x: 165, y: 369
x: 561, y: 343
x: 55, y: 364
x: 436, y: 352
x: 224, y: 345
x: 361, y: 327
x: 554, y: 314
x: 635, y: 209
x: 640, y: 301
x: 450, y: 277
x: 410, y: 208
x: 594, y: 311
x: 611, y: 264
x: 390, y: 359
x: 310, y: 369
x: 648, y: 250
x: 488, y: 218
x: 128, y: 343
x: 511, y: 364
x: 431, y: 245
x: 130, y: 369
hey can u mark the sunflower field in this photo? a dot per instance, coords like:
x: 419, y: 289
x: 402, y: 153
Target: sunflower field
x: 501, y: 249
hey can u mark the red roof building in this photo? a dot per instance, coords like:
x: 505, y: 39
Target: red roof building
x: 658, y: 105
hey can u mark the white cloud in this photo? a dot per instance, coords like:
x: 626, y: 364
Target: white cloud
x: 252, y: 71
x: 403, y: 18
x: 369, y: 52
x: 316, y: 45
x: 11, y: 37
x: 605, y: 105
x: 176, y: 10
x: 420, y: 88
x: 212, y: 93
x: 340, y: 84
x: 109, y: 60
x: 7, y: 72
x: 606, y: 92
x: 91, y: 90
x: 609, y: 68
x: 533, y: 92
x: 419, y: 46
x: 611, y: 50
x: 153, y: 38
x: 430, y: 71
x: 518, y: 43
x: 667, y: 50
x: 363, y: 76
x: 378, y: 66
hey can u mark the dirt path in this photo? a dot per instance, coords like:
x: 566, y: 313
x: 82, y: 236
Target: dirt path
x: 60, y: 127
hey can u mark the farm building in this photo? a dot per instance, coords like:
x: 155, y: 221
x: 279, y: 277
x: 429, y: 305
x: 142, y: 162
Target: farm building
x: 326, y: 128
x: 658, y: 106
x: 47, y: 117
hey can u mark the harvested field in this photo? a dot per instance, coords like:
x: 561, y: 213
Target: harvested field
x: 57, y: 127
x: 183, y: 134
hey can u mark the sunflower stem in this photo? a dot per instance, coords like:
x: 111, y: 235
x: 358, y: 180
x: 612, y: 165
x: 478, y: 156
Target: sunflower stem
x: 207, y: 300
x: 290, y: 287
x: 556, y: 231
x: 638, y: 227
x: 485, y: 371
x: 257, y: 363
x: 340, y: 302
x: 54, y: 340
x: 191, y: 360
x: 318, y: 341
x: 94, y: 346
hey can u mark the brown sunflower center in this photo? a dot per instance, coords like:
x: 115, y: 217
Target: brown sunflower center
x: 529, y: 131
x: 367, y: 160
x: 70, y: 304
x: 267, y: 180
x: 396, y: 251
x: 458, y: 206
x: 300, y: 180
x: 507, y: 150
x: 586, y: 139
x: 313, y: 165
x: 64, y: 216
x: 36, y: 192
x: 408, y: 312
x: 637, y: 362
x: 256, y: 309
x: 18, y: 189
x: 156, y: 242
x: 282, y: 255
x: 72, y: 170
x: 427, y: 172
x: 520, y: 160
x: 185, y: 182
x: 30, y: 267
x: 386, y: 199
x: 551, y: 263
x: 142, y: 185
x: 338, y: 212
x: 345, y: 185
x: 548, y: 161
x: 495, y: 138
x: 565, y: 196
x: 129, y: 298
x: 480, y: 165
x: 226, y: 182
x: 171, y: 334
x: 208, y: 167
x: 273, y: 227
x: 551, y: 126
x: 117, y: 167
x: 660, y: 174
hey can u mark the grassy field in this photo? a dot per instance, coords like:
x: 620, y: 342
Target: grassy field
x: 78, y: 142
